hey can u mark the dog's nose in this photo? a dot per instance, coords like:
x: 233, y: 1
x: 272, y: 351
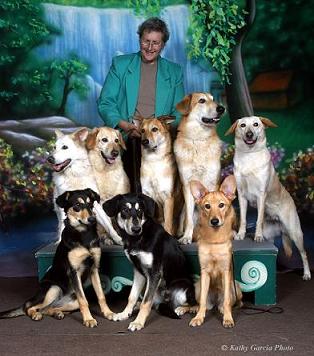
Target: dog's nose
x: 92, y: 220
x: 145, y: 142
x: 249, y: 134
x: 220, y: 109
x: 136, y: 229
x: 214, y: 221
x: 114, y: 153
x: 51, y: 160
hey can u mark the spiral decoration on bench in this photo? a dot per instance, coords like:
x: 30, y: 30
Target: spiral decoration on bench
x: 253, y: 275
x: 118, y: 282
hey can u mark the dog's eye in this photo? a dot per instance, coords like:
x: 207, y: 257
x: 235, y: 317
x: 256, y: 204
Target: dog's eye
x: 154, y: 129
x: 64, y: 147
x: 221, y: 205
x: 242, y: 125
x: 202, y: 101
x: 77, y: 207
x: 207, y: 206
x: 116, y: 140
x: 143, y: 131
x: 104, y: 139
x: 255, y: 124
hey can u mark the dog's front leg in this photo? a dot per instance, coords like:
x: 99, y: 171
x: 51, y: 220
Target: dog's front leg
x: 153, y: 281
x: 104, y: 220
x: 200, y: 316
x: 189, y: 211
x: 227, y: 304
x: 88, y: 320
x: 168, y: 215
x: 260, y: 217
x: 107, y: 313
x: 137, y: 287
x: 243, y: 210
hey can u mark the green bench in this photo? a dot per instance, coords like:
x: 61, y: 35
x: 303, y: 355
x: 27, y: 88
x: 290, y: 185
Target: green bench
x: 254, y: 267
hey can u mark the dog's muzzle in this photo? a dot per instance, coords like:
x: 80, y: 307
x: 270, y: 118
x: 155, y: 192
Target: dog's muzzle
x: 214, y: 120
x: 110, y: 160
x: 58, y: 167
x: 249, y: 138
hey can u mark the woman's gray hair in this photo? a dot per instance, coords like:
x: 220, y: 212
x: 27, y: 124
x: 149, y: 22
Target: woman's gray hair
x: 154, y: 24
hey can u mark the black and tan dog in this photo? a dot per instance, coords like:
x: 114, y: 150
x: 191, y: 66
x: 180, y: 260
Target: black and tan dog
x: 156, y: 256
x: 77, y: 257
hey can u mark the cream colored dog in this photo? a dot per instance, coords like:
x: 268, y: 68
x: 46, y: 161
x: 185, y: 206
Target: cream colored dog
x: 259, y: 185
x: 159, y: 174
x: 197, y: 149
x: 104, y: 147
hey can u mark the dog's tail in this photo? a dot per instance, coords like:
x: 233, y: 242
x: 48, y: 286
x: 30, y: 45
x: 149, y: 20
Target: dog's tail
x: 165, y: 309
x: 287, y: 246
x: 12, y: 313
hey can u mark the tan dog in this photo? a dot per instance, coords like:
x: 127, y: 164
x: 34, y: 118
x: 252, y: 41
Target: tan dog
x: 259, y: 185
x: 197, y: 149
x: 104, y: 147
x: 159, y: 175
x: 214, y: 237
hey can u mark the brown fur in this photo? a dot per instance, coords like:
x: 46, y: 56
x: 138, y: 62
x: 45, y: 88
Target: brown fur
x: 215, y: 250
x: 159, y: 174
x: 197, y: 150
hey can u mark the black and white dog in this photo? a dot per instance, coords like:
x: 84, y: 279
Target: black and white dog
x: 156, y: 257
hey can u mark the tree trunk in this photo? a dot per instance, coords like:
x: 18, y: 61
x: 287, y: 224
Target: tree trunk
x: 237, y: 92
x: 66, y: 91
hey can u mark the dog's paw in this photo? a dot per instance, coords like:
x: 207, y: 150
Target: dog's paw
x: 228, y: 323
x: 196, y: 321
x: 37, y: 316
x: 58, y: 315
x: 92, y: 323
x: 108, y: 315
x: 134, y: 326
x: 120, y: 316
x: 185, y: 240
x: 258, y: 238
x: 239, y: 236
x: 307, y: 276
x: 108, y: 241
x: 182, y: 310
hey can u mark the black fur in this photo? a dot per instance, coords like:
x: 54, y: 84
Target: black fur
x: 61, y: 273
x: 169, y: 262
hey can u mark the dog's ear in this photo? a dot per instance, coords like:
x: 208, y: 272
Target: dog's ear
x: 267, y: 123
x: 91, y: 138
x: 121, y: 141
x: 167, y: 119
x: 111, y: 206
x: 229, y: 187
x: 149, y: 204
x: 232, y: 129
x: 63, y: 199
x: 198, y: 190
x: 81, y: 134
x: 184, y: 106
x: 95, y: 196
x: 59, y: 133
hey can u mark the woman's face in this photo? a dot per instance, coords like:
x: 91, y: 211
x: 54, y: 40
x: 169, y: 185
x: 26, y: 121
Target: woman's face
x: 151, y: 45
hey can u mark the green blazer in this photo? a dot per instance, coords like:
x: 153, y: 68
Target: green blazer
x: 118, y: 97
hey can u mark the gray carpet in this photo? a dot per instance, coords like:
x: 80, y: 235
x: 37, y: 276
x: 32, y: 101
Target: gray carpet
x: 289, y: 333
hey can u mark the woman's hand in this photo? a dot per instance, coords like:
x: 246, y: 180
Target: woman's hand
x: 130, y: 129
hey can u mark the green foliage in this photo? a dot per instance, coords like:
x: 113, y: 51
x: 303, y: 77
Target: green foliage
x: 25, y: 183
x: 23, y: 81
x: 299, y: 181
x: 70, y: 75
x: 281, y: 37
x: 145, y: 7
x: 214, y: 25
